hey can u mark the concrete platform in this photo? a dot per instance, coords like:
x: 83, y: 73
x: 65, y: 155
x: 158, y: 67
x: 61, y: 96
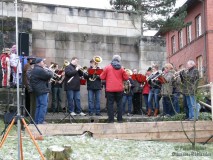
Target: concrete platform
x: 59, y: 118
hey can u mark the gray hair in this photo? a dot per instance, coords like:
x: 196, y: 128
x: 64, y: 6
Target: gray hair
x: 116, y: 57
x: 191, y: 63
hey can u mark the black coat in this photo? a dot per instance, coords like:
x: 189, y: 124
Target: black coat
x: 39, y: 80
x: 74, y: 84
x: 93, y: 85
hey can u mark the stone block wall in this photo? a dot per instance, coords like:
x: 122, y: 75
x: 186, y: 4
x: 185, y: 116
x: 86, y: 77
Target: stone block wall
x: 70, y: 19
x: 58, y: 46
x: 152, y: 51
x: 59, y: 33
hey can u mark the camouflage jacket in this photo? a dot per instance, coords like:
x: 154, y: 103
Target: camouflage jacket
x: 189, y: 81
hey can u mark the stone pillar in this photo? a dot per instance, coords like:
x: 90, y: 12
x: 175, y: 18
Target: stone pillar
x: 151, y: 50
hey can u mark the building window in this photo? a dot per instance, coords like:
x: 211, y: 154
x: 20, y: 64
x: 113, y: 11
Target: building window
x: 200, y: 65
x: 189, y: 33
x: 180, y: 36
x: 173, y: 44
x: 198, y: 26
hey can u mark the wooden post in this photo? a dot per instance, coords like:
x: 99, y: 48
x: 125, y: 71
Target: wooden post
x: 58, y: 152
x: 211, y: 88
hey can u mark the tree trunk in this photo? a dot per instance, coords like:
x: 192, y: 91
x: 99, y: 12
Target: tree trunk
x: 58, y: 153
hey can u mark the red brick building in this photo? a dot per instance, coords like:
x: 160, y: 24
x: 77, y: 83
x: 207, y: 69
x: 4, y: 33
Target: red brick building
x: 194, y: 41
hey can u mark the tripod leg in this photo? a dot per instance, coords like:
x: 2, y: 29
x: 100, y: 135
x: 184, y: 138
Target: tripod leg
x: 21, y: 148
x: 64, y: 118
x: 33, y: 139
x: 32, y: 120
x: 72, y: 118
x: 6, y: 134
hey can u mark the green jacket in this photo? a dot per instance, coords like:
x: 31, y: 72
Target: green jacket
x: 167, y: 88
x: 189, y: 81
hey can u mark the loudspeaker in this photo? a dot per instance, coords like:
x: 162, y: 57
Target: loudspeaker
x: 23, y: 44
x: 8, y: 117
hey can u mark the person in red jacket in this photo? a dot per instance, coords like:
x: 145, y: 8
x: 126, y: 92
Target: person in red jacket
x: 5, y: 64
x: 114, y: 75
x: 146, y: 88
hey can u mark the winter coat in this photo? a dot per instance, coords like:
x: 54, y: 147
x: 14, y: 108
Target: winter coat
x: 189, y: 81
x: 39, y: 80
x: 26, y: 78
x: 176, y: 85
x: 114, y: 76
x: 71, y: 72
x: 154, y: 82
x: 93, y: 85
x: 146, y: 88
x: 167, y: 87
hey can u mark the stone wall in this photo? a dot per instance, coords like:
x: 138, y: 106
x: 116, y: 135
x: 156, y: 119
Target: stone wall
x: 58, y: 46
x: 152, y: 51
x: 70, y: 19
x: 60, y: 32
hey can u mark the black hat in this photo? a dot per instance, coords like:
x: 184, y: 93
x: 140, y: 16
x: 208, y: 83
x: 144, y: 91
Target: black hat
x: 91, y: 61
x: 149, y: 69
x: 38, y: 60
x: 30, y: 57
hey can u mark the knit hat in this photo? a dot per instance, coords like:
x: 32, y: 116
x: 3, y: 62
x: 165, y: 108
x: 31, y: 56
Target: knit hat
x: 116, y: 57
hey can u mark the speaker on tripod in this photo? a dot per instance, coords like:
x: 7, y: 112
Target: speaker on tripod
x: 23, y: 44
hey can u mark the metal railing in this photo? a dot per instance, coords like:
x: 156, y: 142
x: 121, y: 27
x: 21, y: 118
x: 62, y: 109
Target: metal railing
x: 210, y: 85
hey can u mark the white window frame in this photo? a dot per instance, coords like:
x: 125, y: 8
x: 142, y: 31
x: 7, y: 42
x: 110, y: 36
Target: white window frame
x: 180, y: 36
x: 189, y: 33
x: 173, y: 44
x: 198, y: 26
x: 200, y: 65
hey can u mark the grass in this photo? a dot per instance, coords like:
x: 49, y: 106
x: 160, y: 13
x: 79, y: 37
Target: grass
x: 87, y: 148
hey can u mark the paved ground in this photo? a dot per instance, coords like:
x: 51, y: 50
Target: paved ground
x: 65, y: 117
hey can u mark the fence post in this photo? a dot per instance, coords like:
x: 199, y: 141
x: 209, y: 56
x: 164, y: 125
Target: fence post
x: 211, y: 89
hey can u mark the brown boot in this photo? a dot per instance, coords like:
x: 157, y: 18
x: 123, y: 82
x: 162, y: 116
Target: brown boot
x: 149, y: 112
x: 156, y: 112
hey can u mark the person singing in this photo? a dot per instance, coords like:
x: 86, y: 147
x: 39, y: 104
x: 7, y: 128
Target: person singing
x: 114, y: 75
x: 72, y: 86
x: 39, y: 81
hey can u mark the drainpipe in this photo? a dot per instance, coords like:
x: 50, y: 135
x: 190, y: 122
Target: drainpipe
x: 205, y: 45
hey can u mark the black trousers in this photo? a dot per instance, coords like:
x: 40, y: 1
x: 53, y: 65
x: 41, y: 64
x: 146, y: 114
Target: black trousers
x: 111, y: 98
x: 27, y: 101
x: 137, y: 103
